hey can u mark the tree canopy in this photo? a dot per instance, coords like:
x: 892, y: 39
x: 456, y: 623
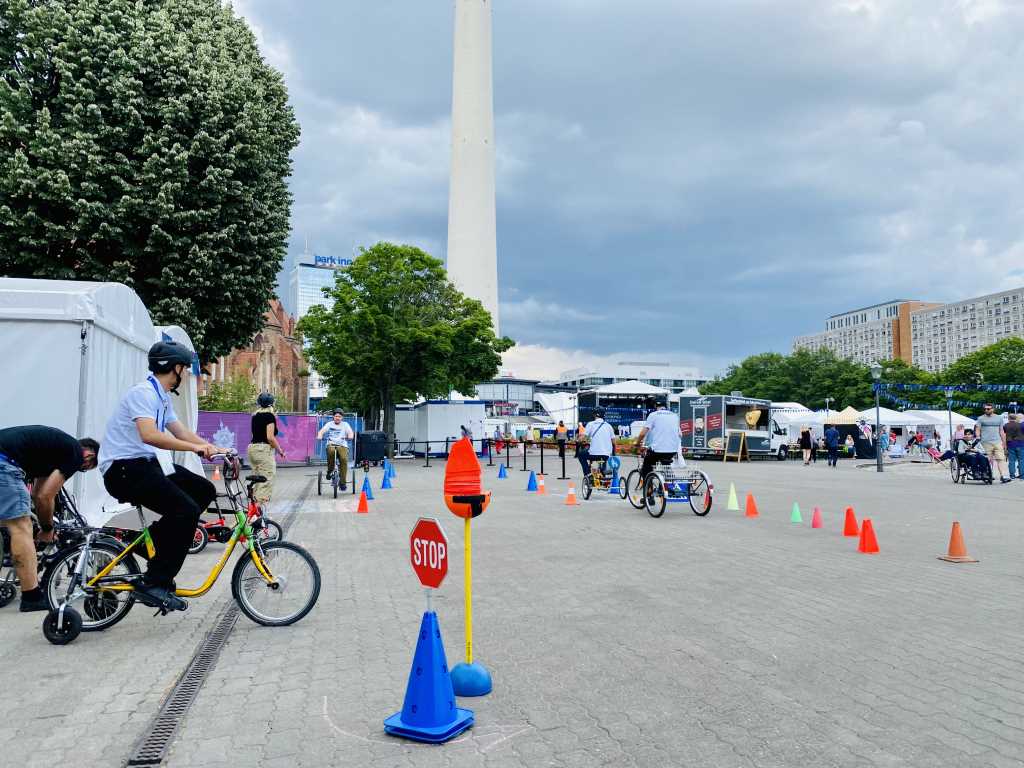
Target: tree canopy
x: 146, y: 143
x: 399, y: 329
x: 808, y: 377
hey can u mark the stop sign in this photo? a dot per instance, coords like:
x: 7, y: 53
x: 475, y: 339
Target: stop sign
x: 428, y: 552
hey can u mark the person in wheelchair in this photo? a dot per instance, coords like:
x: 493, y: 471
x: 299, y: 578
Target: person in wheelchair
x: 661, y: 430
x: 971, y: 454
x: 601, y: 438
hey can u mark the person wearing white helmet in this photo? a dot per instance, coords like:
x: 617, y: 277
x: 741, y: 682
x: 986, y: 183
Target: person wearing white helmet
x: 143, y: 422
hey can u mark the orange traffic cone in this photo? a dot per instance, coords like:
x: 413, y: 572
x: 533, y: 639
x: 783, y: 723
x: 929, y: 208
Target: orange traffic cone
x: 363, y: 507
x: 216, y: 473
x: 570, y: 499
x: 850, y: 527
x: 957, y: 550
x: 541, y: 491
x: 868, y: 543
x: 751, y: 506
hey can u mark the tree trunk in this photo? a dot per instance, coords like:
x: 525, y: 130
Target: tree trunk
x: 389, y: 423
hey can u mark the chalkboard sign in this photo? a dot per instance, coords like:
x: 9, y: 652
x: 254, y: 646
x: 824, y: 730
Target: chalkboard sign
x: 736, y: 447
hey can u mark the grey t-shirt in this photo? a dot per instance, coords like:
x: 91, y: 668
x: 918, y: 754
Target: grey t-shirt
x: 991, y: 428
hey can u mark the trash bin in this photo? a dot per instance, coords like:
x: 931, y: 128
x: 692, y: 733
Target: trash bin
x: 371, y: 446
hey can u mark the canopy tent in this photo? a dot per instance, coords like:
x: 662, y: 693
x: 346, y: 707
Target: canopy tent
x: 74, y: 347
x: 632, y: 387
x: 186, y: 405
x: 890, y: 418
x: 847, y: 416
x: 939, y: 421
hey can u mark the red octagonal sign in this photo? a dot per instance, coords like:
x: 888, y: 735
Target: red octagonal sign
x: 428, y: 552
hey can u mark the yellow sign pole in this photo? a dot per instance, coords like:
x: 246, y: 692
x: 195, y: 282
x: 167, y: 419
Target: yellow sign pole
x: 469, y: 593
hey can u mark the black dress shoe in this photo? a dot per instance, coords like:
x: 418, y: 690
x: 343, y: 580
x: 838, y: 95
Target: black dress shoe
x: 29, y: 604
x: 158, y: 597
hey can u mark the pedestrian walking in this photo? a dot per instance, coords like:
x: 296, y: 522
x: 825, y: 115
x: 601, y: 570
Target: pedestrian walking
x: 264, y: 447
x: 561, y: 435
x: 832, y: 444
x: 805, y: 444
x: 993, y: 439
x: 1014, y: 446
x: 883, y: 440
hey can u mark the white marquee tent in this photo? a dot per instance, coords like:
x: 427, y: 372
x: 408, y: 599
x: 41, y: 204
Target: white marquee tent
x: 939, y: 420
x: 72, y: 349
x: 890, y: 418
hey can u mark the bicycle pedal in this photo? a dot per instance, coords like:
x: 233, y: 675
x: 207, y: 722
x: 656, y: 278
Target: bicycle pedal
x: 160, y: 612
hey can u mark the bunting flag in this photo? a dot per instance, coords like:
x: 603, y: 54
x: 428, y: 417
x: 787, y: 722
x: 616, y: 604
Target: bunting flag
x: 882, y: 386
x: 910, y: 405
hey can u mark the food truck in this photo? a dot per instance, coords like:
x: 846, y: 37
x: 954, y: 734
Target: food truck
x: 705, y: 422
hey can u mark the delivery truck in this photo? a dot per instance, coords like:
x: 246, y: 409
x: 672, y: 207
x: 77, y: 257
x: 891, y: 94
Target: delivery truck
x: 705, y: 422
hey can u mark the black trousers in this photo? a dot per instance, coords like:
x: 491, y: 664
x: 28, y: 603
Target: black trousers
x: 833, y: 456
x: 651, y: 458
x: 178, y: 499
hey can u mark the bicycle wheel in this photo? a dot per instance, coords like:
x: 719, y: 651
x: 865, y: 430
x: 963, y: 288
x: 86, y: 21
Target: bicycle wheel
x: 7, y: 592
x: 700, y: 494
x: 104, y: 608
x: 199, y: 540
x: 654, y: 495
x: 954, y: 470
x: 267, y: 530
x: 295, y: 589
x: 587, y: 487
x: 634, y: 489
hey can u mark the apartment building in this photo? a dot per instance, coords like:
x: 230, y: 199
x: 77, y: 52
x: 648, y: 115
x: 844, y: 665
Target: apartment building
x: 879, y: 332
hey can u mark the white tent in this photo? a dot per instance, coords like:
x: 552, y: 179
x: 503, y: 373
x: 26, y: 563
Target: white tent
x: 186, y: 405
x: 631, y: 387
x: 73, y: 348
x: 890, y: 418
x: 939, y: 420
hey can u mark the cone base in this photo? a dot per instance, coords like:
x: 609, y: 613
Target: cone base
x: 395, y: 727
x: 953, y: 559
x: 471, y: 679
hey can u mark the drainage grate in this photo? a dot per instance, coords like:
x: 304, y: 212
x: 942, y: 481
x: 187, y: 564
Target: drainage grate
x: 151, y: 749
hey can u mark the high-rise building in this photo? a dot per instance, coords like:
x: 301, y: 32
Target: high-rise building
x: 943, y: 334
x: 472, y: 238
x: 869, y: 334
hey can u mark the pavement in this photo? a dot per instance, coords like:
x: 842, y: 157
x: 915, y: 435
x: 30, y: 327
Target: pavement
x: 612, y: 638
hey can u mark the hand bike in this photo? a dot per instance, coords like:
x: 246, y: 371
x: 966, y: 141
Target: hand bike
x: 275, y: 583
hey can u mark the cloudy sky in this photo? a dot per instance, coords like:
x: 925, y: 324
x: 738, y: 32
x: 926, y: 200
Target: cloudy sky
x: 694, y: 180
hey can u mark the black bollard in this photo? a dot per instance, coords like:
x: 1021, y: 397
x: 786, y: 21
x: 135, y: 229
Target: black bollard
x: 563, y: 477
x: 508, y: 454
x: 542, y: 455
x: 427, y: 454
x: 490, y: 453
x: 446, y: 448
x: 524, y: 444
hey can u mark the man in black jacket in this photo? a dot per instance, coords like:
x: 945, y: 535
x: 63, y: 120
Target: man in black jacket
x: 47, y: 458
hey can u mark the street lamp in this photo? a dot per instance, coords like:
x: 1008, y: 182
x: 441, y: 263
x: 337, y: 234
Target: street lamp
x: 876, y: 374
x: 827, y: 401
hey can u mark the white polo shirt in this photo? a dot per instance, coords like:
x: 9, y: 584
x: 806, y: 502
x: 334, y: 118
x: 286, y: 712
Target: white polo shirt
x: 662, y: 431
x: 148, y: 400
x: 601, y: 435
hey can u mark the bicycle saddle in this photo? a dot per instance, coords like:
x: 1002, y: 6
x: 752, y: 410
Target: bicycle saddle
x: 255, y: 479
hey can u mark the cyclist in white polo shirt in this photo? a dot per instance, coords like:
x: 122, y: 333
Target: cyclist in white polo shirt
x: 661, y: 431
x: 338, y: 434
x: 602, y: 442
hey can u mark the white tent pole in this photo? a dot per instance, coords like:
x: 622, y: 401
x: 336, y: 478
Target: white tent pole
x: 83, y: 368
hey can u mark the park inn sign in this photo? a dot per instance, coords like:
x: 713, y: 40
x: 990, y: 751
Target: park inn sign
x: 334, y: 262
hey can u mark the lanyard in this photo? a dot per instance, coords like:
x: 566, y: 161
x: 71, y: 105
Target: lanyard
x: 161, y: 416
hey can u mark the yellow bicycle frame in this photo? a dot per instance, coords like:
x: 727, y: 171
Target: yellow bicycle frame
x: 242, y: 528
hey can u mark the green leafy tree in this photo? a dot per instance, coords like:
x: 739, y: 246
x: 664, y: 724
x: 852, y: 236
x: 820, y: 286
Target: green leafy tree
x: 399, y: 329
x: 146, y: 143
x: 999, y: 363
x: 237, y: 393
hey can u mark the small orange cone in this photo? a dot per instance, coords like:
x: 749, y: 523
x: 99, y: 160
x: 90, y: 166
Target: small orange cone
x: 850, y: 527
x: 541, y: 490
x: 868, y: 543
x: 570, y: 499
x: 751, y: 506
x: 363, y: 507
x: 216, y: 473
x: 957, y: 549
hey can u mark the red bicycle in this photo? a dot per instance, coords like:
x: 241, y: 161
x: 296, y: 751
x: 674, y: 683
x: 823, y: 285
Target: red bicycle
x: 220, y: 528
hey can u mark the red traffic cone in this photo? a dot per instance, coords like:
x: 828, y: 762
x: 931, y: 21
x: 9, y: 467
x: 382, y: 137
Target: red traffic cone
x: 850, y: 527
x: 816, y: 518
x: 216, y: 473
x: 751, y: 506
x: 957, y: 549
x: 363, y: 507
x: 570, y: 499
x: 868, y: 543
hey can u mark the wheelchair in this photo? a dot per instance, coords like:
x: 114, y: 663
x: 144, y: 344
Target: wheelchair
x: 961, y: 472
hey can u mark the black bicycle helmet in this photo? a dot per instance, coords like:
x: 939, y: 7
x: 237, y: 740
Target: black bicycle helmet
x: 599, y: 413
x: 164, y: 355
x: 265, y: 400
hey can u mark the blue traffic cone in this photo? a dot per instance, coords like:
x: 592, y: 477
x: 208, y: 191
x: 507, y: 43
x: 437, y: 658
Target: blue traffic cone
x: 391, y: 470
x: 502, y: 473
x: 429, y: 712
x: 366, y: 488
x: 532, y: 484
x: 386, y: 482
x: 615, y: 483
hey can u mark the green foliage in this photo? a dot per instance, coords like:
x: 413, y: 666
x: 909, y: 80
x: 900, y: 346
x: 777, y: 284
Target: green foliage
x: 146, y: 143
x: 809, y: 377
x: 237, y: 393
x: 999, y: 363
x: 399, y: 329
